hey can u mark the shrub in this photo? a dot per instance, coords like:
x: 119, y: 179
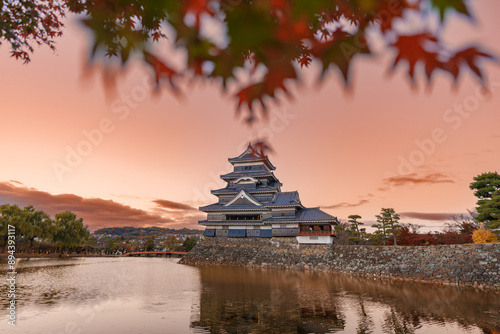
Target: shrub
x: 483, y: 236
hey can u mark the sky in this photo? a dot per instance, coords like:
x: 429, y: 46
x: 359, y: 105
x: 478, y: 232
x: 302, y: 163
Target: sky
x: 151, y: 160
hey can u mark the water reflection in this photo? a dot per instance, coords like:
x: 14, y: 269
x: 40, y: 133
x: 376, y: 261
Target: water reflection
x: 266, y: 301
x: 155, y: 295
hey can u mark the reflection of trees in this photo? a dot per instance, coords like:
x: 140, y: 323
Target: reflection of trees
x: 365, y: 323
x: 259, y: 301
x: 271, y: 301
x: 424, y: 302
x: 397, y: 323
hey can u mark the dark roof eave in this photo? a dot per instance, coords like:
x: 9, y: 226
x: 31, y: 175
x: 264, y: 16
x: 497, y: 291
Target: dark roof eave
x: 232, y: 209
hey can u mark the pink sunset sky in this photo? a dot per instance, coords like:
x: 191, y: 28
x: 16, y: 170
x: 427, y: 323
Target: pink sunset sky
x: 384, y: 144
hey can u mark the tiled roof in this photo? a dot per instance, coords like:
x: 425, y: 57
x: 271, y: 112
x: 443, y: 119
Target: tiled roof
x: 250, y: 154
x: 230, y: 222
x: 304, y: 215
x: 255, y: 174
x: 286, y: 198
x: 311, y: 214
x: 234, y: 190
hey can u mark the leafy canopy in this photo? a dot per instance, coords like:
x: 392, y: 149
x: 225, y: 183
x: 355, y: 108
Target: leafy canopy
x: 260, y: 44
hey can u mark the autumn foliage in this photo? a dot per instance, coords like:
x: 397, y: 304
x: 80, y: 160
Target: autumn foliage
x: 483, y: 236
x: 406, y: 237
x: 268, y: 41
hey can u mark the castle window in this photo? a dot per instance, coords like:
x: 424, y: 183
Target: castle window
x: 243, y: 217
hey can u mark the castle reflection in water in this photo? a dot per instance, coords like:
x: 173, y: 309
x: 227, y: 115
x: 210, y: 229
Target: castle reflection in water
x: 236, y: 300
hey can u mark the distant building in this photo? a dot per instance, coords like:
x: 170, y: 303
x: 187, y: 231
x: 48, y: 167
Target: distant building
x: 253, y: 205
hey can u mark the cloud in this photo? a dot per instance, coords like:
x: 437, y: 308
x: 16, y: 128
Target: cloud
x: 96, y: 212
x: 430, y: 178
x: 170, y: 205
x: 428, y: 216
x: 346, y: 205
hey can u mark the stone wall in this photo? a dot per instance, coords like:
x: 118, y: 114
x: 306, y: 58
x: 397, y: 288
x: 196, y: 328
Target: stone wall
x: 476, y: 265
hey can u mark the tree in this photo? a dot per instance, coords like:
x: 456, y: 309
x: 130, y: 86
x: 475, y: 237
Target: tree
x: 108, y: 244
x: 150, y: 243
x: 171, y: 242
x: 69, y: 230
x: 355, y: 230
x: 9, y: 215
x: 486, y: 187
x: 388, y: 221
x: 342, y: 233
x: 276, y: 37
x: 189, y: 243
x: 483, y: 236
x: 463, y: 224
x: 40, y: 225
x: 91, y: 242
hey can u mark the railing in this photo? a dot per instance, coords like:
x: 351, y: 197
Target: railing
x: 316, y: 233
x: 155, y: 253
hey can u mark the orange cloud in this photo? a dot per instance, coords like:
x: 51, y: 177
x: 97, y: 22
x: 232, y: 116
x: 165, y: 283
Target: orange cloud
x: 428, y: 216
x: 171, y: 205
x: 346, y: 205
x: 430, y: 178
x: 96, y: 212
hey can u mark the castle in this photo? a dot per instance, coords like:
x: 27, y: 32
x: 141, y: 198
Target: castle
x: 252, y: 205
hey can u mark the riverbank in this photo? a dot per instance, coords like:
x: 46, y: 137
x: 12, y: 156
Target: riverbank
x: 52, y: 255
x: 475, y: 265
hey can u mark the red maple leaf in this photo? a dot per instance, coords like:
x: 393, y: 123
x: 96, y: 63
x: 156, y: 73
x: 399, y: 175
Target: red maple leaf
x: 161, y: 70
x: 413, y: 49
x: 468, y: 57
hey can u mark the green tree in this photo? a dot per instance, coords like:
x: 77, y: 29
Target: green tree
x: 486, y: 187
x: 189, y: 243
x: 91, y: 242
x: 69, y: 231
x: 9, y: 215
x: 387, y: 225
x: 108, y: 244
x: 355, y: 230
x: 150, y: 243
x: 39, y: 224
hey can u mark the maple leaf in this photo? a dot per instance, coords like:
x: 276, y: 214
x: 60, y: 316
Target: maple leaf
x: 340, y: 51
x: 260, y: 149
x: 444, y: 6
x: 412, y: 48
x: 304, y: 60
x: 161, y: 70
x: 469, y: 57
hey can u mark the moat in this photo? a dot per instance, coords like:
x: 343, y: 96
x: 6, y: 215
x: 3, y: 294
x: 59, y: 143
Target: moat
x: 158, y: 295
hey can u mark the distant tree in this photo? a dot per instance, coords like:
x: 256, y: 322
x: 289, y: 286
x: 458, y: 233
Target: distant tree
x: 150, y: 243
x: 126, y: 247
x: 109, y: 245
x: 465, y: 224
x: 91, y: 242
x: 171, y: 242
x: 388, y: 221
x: 486, y: 187
x: 40, y: 225
x: 9, y: 215
x: 69, y: 231
x: 135, y: 246
x: 483, y: 236
x: 342, y: 233
x: 355, y: 230
x: 189, y: 243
